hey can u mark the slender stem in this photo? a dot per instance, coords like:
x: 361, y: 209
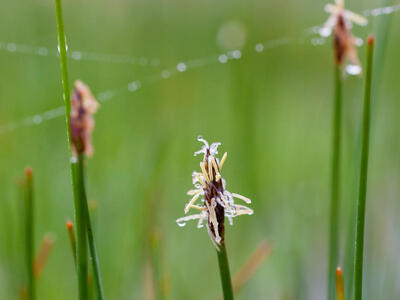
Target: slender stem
x: 81, y: 240
x: 362, y: 193
x: 29, y: 233
x: 92, y: 246
x: 335, y: 183
x: 78, y: 207
x: 224, y: 272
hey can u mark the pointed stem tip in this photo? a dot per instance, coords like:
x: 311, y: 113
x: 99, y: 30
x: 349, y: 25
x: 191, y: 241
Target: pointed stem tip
x: 28, y: 172
x: 371, y: 40
x: 339, y: 284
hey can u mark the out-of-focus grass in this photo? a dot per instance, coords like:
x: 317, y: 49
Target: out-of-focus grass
x: 283, y: 96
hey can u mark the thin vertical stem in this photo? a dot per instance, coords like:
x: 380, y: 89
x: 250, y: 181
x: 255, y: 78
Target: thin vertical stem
x: 79, y: 209
x: 81, y: 240
x: 335, y: 183
x: 29, y: 233
x: 225, y: 273
x: 92, y: 246
x: 362, y: 193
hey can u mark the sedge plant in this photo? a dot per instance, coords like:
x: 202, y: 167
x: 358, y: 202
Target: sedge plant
x: 217, y: 203
x: 79, y: 127
x: 345, y: 59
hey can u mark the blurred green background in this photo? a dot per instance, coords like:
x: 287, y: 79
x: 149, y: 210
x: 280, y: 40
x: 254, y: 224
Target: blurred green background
x: 271, y: 111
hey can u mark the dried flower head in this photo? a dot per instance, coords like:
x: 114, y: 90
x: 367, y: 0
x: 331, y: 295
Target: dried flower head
x: 216, y: 202
x: 340, y: 22
x: 83, y: 106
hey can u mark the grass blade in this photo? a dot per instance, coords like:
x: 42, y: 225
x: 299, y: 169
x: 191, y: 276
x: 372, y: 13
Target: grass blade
x: 362, y: 193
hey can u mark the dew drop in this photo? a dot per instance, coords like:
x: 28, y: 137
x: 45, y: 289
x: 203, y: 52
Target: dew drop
x: 76, y: 55
x: 12, y: 47
x: 37, y: 119
x: 236, y: 54
x: 58, y: 48
x: 223, y: 59
x: 134, y: 86
x: 353, y: 69
x: 318, y: 41
x: 143, y: 61
x: 165, y: 74
x: 259, y: 48
x: 325, y: 31
x: 181, y: 224
x: 358, y: 42
x: 181, y: 67
x: 42, y: 51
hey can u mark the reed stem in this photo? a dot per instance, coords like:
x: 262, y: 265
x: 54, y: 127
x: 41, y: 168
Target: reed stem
x: 362, y: 193
x: 29, y: 233
x: 92, y: 247
x: 225, y: 273
x: 335, y: 183
x: 81, y: 240
x: 78, y: 206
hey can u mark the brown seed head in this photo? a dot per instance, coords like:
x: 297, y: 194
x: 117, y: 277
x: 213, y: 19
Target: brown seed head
x: 83, y: 107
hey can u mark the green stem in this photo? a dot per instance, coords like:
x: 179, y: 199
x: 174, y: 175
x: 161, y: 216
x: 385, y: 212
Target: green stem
x: 335, y: 184
x: 224, y: 272
x: 362, y: 193
x: 81, y: 241
x: 92, y: 246
x: 78, y: 206
x: 29, y: 233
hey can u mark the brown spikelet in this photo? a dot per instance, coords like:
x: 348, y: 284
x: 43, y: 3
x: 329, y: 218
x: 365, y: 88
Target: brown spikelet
x: 83, y: 107
x: 344, y: 45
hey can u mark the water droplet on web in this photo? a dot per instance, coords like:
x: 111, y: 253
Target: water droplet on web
x: 12, y: 47
x: 37, y: 119
x: 134, y: 86
x: 181, y: 67
x: 58, y: 48
x: 318, y: 41
x: 165, y: 74
x: 42, y: 51
x: 223, y: 58
x: 353, y: 69
x: 236, y: 54
x: 358, y: 42
x: 259, y: 48
x: 181, y: 224
x: 76, y: 55
x: 143, y: 61
x: 325, y: 31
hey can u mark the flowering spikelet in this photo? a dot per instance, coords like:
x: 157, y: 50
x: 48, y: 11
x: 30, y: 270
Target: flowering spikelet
x: 83, y: 106
x: 340, y: 21
x: 216, y: 202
